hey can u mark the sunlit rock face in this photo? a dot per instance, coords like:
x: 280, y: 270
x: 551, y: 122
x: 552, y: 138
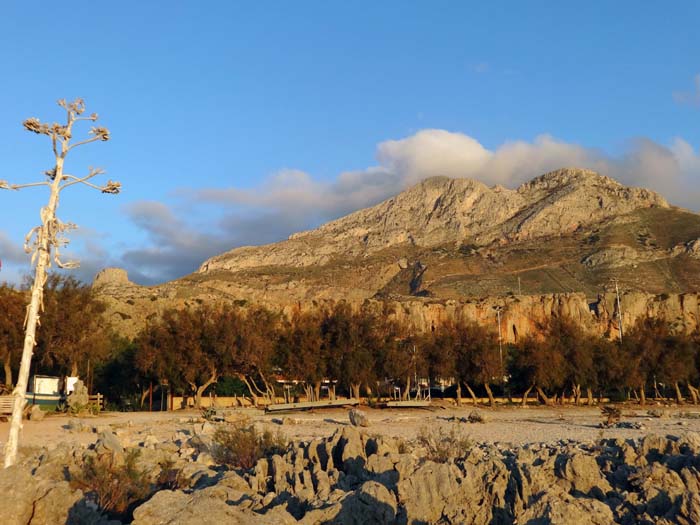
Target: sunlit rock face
x: 458, y: 248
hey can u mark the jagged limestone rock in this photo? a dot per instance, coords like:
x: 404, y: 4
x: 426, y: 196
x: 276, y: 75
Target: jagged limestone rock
x: 78, y: 400
x: 358, y: 418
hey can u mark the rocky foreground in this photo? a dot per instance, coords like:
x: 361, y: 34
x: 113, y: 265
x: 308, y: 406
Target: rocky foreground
x: 354, y: 476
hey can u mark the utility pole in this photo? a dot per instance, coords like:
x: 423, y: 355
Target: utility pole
x: 41, y: 240
x: 415, y: 374
x: 619, y: 308
x: 500, y: 344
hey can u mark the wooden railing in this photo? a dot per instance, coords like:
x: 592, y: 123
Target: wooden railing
x: 98, y: 400
x: 6, y: 403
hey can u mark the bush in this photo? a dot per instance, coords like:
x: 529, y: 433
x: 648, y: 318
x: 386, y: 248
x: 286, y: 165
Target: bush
x: 115, y: 482
x: 170, y: 477
x: 242, y: 445
x: 229, y: 386
x: 442, y: 446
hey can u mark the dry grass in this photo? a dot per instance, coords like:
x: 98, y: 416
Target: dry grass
x: 116, y: 484
x: 241, y: 445
x: 444, y: 445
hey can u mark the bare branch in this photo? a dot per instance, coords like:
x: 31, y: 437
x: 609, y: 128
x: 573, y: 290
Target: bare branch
x: 80, y: 181
x: 86, y: 141
x: 92, y: 117
x: 93, y: 172
x: 4, y: 185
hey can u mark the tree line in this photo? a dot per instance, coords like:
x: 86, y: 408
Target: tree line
x: 363, y: 351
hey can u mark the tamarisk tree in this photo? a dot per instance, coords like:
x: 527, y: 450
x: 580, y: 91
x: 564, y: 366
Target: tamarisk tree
x: 45, y: 241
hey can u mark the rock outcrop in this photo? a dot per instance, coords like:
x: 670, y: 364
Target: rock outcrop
x: 455, y: 247
x: 441, y: 210
x: 352, y: 477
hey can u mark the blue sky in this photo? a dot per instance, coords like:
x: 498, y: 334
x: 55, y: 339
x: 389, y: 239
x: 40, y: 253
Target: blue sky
x: 239, y: 123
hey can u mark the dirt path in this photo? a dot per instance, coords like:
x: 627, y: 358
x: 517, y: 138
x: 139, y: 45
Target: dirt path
x: 506, y: 426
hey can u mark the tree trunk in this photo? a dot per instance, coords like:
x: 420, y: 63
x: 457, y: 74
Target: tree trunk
x: 527, y: 393
x: 679, y: 396
x: 492, y: 401
x: 589, y: 394
x: 642, y: 396
x: 355, y: 390
x: 74, y: 369
x: 577, y: 395
x: 407, y: 393
x: 7, y: 364
x: 200, y: 391
x: 459, y: 393
x: 693, y: 393
x: 472, y: 394
x: 544, y: 397
x: 317, y: 391
x: 253, y: 395
x: 143, y: 398
x: 253, y: 385
x: 269, y: 389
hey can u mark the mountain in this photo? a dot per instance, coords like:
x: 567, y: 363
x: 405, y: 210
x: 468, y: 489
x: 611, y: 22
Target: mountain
x: 441, y: 210
x: 566, y: 232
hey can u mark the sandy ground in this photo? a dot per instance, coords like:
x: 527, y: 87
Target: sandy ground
x: 505, y: 426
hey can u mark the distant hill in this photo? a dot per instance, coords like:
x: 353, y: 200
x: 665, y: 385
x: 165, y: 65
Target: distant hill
x: 445, y: 239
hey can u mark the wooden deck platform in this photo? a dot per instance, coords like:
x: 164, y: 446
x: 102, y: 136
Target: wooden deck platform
x: 308, y: 405
x: 418, y: 403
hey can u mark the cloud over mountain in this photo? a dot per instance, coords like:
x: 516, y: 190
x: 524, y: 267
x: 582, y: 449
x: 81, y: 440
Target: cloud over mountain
x: 208, y: 221
x: 672, y: 170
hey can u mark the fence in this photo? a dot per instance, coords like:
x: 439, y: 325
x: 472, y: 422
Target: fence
x: 97, y: 400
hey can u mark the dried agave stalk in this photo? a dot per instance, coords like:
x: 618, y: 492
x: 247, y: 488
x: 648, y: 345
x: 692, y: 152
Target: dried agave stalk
x: 48, y: 237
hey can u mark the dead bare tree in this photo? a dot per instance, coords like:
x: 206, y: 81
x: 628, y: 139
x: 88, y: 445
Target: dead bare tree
x: 50, y: 235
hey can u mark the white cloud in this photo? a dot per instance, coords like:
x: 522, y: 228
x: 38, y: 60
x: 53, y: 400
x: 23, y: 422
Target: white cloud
x: 433, y: 152
x: 13, y: 258
x: 672, y: 170
x: 10, y: 251
x: 690, y: 98
x: 292, y: 200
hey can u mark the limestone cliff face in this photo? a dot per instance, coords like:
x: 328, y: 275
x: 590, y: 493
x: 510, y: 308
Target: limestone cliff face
x: 449, y: 248
x: 524, y: 315
x: 129, y: 308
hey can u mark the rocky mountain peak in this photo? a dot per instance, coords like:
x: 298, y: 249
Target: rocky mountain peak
x: 111, y: 276
x: 441, y: 210
x: 567, y: 176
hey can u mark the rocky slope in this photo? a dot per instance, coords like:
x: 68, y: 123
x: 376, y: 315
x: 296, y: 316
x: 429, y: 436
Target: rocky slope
x: 354, y: 477
x: 441, y: 210
x: 456, y: 245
